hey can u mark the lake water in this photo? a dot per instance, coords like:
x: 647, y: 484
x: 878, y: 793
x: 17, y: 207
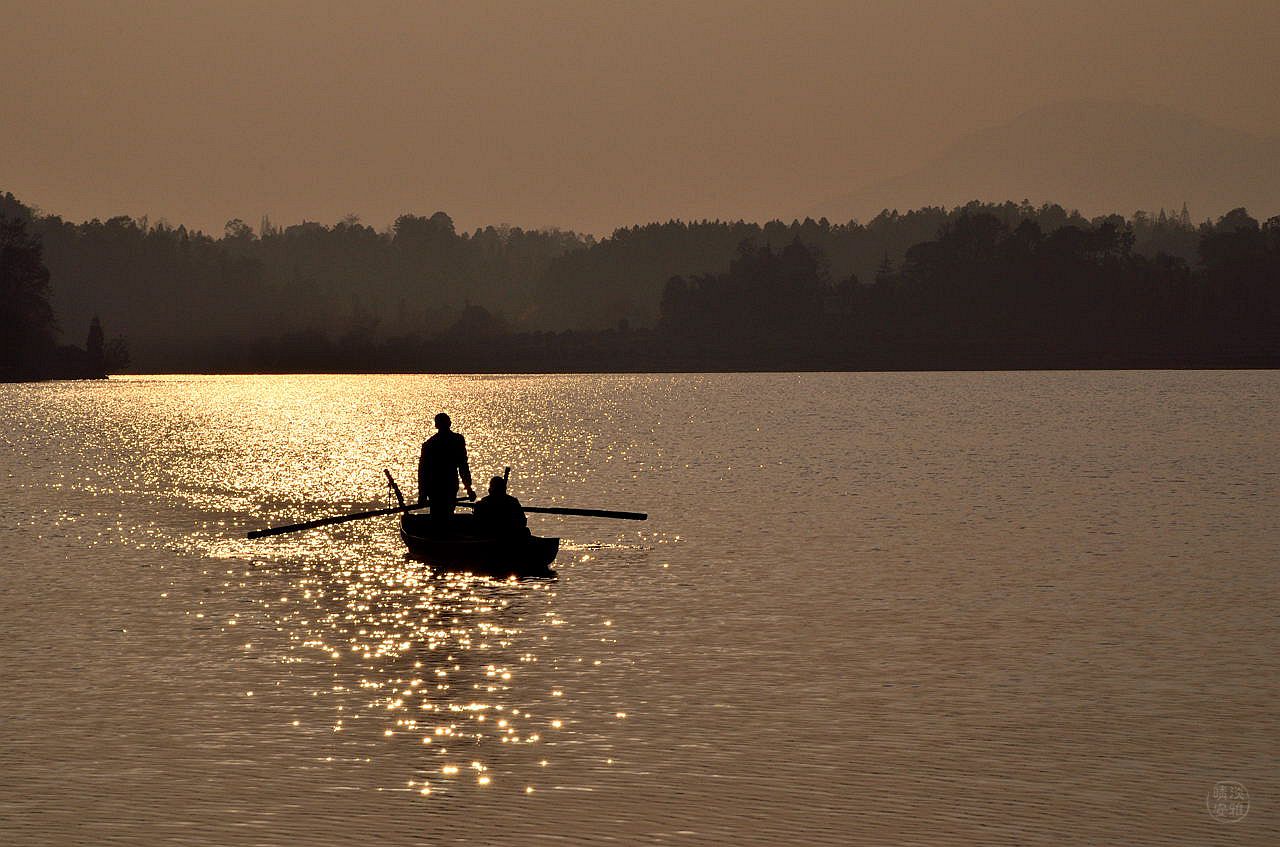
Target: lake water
x: 1002, y: 608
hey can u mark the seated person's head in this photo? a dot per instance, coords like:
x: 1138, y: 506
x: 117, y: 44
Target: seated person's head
x: 497, y: 485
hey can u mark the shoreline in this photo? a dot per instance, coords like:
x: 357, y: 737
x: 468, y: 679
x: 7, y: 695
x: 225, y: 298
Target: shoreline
x: 1269, y: 366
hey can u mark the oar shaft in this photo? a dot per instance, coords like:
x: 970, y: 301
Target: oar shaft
x: 298, y: 527
x: 585, y: 513
x: 542, y: 510
x: 588, y: 513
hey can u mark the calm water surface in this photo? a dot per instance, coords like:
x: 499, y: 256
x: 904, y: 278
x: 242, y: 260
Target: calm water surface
x: 1018, y: 608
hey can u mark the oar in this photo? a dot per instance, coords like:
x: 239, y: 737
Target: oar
x: 557, y: 510
x: 336, y: 519
x: 356, y: 516
x: 586, y: 513
x: 543, y: 510
x: 298, y: 527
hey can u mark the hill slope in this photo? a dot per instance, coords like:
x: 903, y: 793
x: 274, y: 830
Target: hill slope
x: 1094, y: 156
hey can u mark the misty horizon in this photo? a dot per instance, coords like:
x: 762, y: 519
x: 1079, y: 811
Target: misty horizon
x: 830, y: 208
x: 855, y: 204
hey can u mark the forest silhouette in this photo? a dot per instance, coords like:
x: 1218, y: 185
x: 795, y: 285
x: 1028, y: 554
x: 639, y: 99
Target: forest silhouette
x: 981, y: 286
x: 29, y: 347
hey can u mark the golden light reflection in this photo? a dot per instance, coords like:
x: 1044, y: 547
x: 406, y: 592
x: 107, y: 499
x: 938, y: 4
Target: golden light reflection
x: 380, y: 654
x: 432, y: 656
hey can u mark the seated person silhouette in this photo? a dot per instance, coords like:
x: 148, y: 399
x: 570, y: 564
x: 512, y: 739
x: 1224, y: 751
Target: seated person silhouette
x: 499, y: 514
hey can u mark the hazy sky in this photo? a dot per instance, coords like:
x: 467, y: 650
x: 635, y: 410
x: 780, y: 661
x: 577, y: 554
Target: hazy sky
x: 584, y: 115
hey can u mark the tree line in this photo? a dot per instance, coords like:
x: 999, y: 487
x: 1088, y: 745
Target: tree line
x: 989, y: 285
x: 985, y: 293
x: 29, y: 346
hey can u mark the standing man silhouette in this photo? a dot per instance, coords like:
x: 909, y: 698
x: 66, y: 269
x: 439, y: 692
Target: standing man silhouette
x: 443, y: 460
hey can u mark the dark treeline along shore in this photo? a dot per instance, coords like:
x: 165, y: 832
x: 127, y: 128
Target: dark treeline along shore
x: 29, y: 349
x: 981, y: 286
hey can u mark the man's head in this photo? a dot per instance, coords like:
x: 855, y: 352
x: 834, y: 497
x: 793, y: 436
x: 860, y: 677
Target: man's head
x: 497, y: 485
x: 443, y: 422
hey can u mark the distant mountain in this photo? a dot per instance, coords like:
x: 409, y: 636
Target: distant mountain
x: 1094, y: 156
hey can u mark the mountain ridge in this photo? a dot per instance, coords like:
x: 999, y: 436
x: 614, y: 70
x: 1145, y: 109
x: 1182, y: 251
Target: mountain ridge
x: 1092, y: 155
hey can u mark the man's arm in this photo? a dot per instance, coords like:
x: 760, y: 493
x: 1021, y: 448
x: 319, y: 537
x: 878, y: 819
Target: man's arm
x: 422, y: 475
x: 463, y: 468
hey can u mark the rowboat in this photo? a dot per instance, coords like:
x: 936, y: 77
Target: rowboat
x: 463, y: 548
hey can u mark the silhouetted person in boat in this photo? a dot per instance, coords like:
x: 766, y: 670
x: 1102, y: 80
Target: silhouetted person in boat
x: 443, y: 460
x: 499, y: 514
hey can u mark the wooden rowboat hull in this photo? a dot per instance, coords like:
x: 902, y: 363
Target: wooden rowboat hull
x: 462, y: 551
